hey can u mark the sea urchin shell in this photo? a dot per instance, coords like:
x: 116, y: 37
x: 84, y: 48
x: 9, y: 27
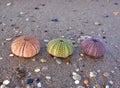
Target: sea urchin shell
x: 60, y: 48
x: 25, y: 46
x: 93, y: 47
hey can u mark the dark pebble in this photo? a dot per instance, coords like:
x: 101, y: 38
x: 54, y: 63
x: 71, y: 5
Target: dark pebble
x: 43, y: 4
x: 38, y: 80
x: 104, y: 37
x: 106, y: 16
x: 55, y: 20
x: 36, y: 8
x: 29, y: 81
x: 115, y: 3
x: 83, y: 65
x: 45, y: 31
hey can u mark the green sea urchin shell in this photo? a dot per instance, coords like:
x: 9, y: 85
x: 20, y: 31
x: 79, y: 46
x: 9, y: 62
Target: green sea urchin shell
x: 60, y: 48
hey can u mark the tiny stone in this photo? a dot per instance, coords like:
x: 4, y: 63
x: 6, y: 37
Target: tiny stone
x: 1, y: 58
x: 115, y: 13
x: 106, y: 74
x: 55, y: 20
x: 43, y: 60
x: 115, y: 3
x: 20, y: 75
x: 112, y: 71
x: 67, y: 62
x: 86, y: 82
x: 59, y: 61
x: 44, y: 68
x: 77, y: 69
x: 45, y: 40
x: 8, y: 39
x: 93, y: 74
x: 39, y: 85
x: 97, y: 86
x: 36, y: 8
x: 11, y: 55
x: 2, y: 86
x: 97, y: 23
x: 21, y: 13
x: 98, y: 71
x: 3, y: 24
x: 27, y: 19
x: 38, y: 80
x: 76, y: 76
x: 29, y: 81
x: 77, y: 81
x: 111, y: 82
x: 8, y: 4
x: 81, y: 54
x: 107, y: 86
x: 37, y: 70
x: 62, y: 36
x: 6, y: 82
x: 80, y: 59
x: 48, y: 77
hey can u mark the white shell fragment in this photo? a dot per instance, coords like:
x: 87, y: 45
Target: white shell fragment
x: 6, y: 82
x: 77, y: 81
x: 93, y: 74
x: 37, y: 70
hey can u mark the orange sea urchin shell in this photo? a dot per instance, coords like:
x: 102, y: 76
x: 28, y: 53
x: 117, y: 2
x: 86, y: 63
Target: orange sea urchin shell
x: 25, y: 46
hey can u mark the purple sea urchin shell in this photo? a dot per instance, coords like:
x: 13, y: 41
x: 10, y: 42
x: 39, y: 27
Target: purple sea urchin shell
x: 93, y: 47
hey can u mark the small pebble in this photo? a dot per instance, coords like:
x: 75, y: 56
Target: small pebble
x: 8, y: 39
x: 29, y: 81
x: 107, y: 86
x: 86, y: 82
x: 77, y: 70
x: 27, y: 19
x: 21, y: 13
x: 8, y: 4
x: 6, y: 82
x: 111, y: 82
x: 115, y: 3
x: 55, y: 20
x: 59, y: 61
x: 112, y: 71
x: 76, y: 76
x: 44, y: 68
x: 67, y: 62
x: 1, y: 58
x: 77, y: 81
x: 45, y: 40
x: 98, y: 71
x: 80, y: 59
x: 115, y: 13
x: 81, y: 54
x: 106, y: 74
x: 62, y: 36
x: 93, y: 74
x: 39, y: 84
x: 97, y: 23
x: 97, y: 86
x: 2, y: 86
x: 37, y: 70
x: 43, y: 60
x: 48, y: 77
x: 11, y: 55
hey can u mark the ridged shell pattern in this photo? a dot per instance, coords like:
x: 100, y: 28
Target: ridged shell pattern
x: 25, y: 46
x: 60, y: 48
x: 93, y: 47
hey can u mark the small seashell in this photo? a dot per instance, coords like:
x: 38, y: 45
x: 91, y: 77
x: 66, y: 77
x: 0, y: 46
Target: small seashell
x: 107, y: 86
x: 77, y: 81
x: 48, y: 77
x: 8, y: 39
x: 43, y: 60
x: 59, y: 61
x: 76, y: 76
x: 8, y: 4
x: 39, y: 84
x: 93, y: 74
x: 6, y: 82
x: 1, y: 58
x: 93, y: 47
x: 106, y: 74
x: 11, y: 55
x: 37, y: 70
